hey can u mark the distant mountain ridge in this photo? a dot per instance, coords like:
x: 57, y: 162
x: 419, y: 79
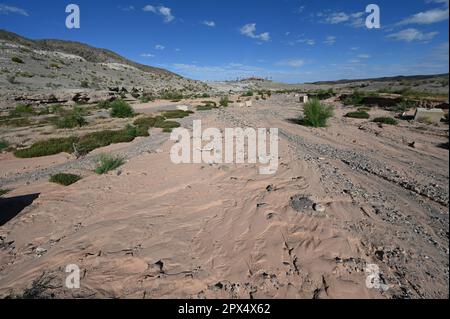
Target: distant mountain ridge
x: 384, y: 79
x: 87, y: 52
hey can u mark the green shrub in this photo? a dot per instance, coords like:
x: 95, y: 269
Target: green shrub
x: 386, y: 120
x: 17, y: 60
x: 99, y: 139
x: 224, y: 101
x: 108, y: 163
x: 172, y: 96
x: 176, y: 114
x: 84, y: 84
x: 71, y: 121
x: 147, y: 97
x: 4, y: 191
x: 207, y: 107
x: 403, y: 106
x: 358, y: 115
x: 316, y: 114
x: 104, y: 104
x: 137, y: 130
x: 22, y: 110
x: 25, y: 74
x: 166, y: 125
x: 85, y: 144
x: 145, y: 122
x: 52, y: 109
x: 248, y: 93
x: 3, y: 144
x: 121, y: 109
x: 355, y: 99
x: 16, y: 122
x: 64, y: 179
x: 48, y: 147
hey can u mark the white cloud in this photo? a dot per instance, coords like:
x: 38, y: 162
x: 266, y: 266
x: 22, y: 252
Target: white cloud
x: 159, y: 47
x: 330, y: 40
x: 231, y: 70
x: 337, y: 17
x: 307, y: 41
x: 167, y: 13
x: 409, y: 35
x: 147, y: 55
x: 210, y: 24
x: 161, y: 10
x: 427, y: 17
x: 6, y: 9
x: 296, y: 63
x: 149, y: 8
x: 355, y: 19
x: 364, y: 56
x: 249, y: 31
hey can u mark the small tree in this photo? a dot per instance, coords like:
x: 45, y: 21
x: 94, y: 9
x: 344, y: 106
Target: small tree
x: 121, y: 109
x: 224, y: 101
x: 316, y: 114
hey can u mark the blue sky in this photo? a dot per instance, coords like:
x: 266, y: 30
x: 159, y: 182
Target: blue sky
x: 286, y: 40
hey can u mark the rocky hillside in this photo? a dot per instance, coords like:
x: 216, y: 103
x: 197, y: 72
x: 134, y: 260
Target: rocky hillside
x: 58, y: 71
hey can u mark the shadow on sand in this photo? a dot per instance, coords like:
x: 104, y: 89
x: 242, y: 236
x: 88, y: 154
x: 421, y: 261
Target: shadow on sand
x: 11, y: 207
x: 297, y: 121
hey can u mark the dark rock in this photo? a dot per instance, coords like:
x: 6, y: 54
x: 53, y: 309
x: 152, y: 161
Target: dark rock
x: 301, y: 203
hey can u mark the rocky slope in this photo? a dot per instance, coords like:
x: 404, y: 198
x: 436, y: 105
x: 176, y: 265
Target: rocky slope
x: 55, y: 71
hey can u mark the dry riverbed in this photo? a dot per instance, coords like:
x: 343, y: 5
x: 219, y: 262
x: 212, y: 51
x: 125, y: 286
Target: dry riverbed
x: 153, y: 229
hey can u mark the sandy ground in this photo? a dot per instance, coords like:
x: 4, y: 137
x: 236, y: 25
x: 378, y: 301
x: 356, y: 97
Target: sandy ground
x: 154, y: 229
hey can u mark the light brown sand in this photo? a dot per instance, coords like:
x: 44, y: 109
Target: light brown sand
x: 160, y: 230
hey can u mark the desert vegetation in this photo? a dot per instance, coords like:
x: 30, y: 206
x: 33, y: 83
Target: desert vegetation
x: 108, y: 163
x: 121, y: 109
x: 65, y: 179
x: 361, y: 114
x: 385, y: 120
x: 316, y: 114
x: 3, y: 144
x: 224, y: 101
x: 71, y: 120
